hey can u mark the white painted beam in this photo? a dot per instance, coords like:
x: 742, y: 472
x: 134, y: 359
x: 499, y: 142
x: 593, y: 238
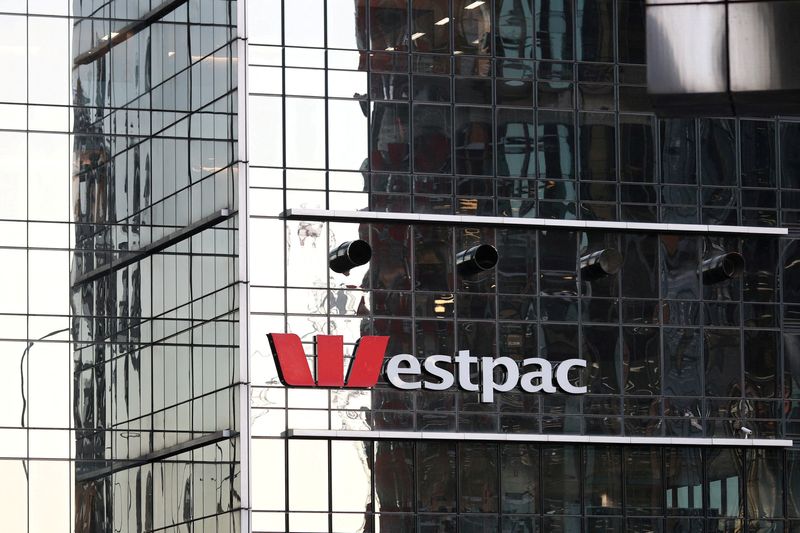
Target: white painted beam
x: 331, y: 215
x: 524, y: 437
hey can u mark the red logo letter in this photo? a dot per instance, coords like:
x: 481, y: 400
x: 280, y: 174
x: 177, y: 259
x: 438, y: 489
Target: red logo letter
x: 293, y: 369
x: 291, y: 360
x: 367, y: 360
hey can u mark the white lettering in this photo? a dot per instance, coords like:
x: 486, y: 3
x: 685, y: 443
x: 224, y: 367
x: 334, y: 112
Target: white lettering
x: 533, y: 375
x: 562, y: 376
x: 394, y: 371
x: 464, y: 362
x: 446, y: 378
x: 488, y: 365
x: 544, y: 375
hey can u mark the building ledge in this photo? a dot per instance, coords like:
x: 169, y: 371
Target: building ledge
x: 366, y: 217
x: 523, y: 437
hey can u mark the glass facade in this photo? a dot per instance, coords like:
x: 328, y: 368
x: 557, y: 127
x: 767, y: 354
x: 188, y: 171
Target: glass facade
x: 119, y: 321
x: 521, y: 110
x: 146, y: 253
x: 155, y: 279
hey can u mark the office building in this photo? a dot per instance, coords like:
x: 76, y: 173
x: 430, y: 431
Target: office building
x: 386, y: 266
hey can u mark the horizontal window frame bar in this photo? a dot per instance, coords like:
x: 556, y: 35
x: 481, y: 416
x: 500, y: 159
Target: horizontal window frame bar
x: 330, y: 215
x: 128, y: 31
x: 160, y: 455
x: 156, y: 246
x: 536, y: 438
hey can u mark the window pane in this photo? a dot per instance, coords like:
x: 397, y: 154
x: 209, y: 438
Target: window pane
x: 436, y: 475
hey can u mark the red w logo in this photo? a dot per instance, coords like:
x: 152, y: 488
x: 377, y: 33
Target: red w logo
x: 293, y: 370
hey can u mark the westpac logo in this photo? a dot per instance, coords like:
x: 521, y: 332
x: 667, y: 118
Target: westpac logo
x: 496, y: 374
x: 293, y: 370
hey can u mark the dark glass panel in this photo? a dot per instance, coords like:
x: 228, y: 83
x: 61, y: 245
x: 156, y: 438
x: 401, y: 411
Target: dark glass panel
x: 436, y: 477
x: 793, y: 482
x: 648, y: 525
x: 437, y: 523
x: 791, y: 272
x: 556, y: 144
x: 764, y: 483
x: 396, y: 522
x: 388, y: 24
x: 643, y: 483
x: 514, y: 29
x: 595, y: 30
x: 516, y: 268
x: 555, y: 94
x: 476, y: 306
x: 602, y: 492
x: 558, y: 342
x: 641, y: 361
x: 473, y: 32
x: 640, y: 254
x: 601, y: 350
x: 394, y: 476
x: 516, y: 143
x: 561, y: 469
x: 718, y: 152
x: 436, y: 422
x: 553, y: 29
x: 724, y: 481
x: 684, y: 481
x: 517, y: 340
x: 434, y: 258
x: 426, y: 34
x: 680, y: 261
x: 605, y: 310
x: 390, y: 266
x: 431, y: 88
x: 473, y: 90
x: 514, y: 93
x: 558, y: 309
x: 390, y: 143
x: 520, y: 478
x: 435, y: 336
x: 723, y: 374
x: 761, y: 264
x: 474, y: 142
x: 437, y: 401
x: 597, y: 140
x: 478, y: 478
x: 790, y: 156
x: 758, y: 153
x: 558, y: 251
x: 631, y: 31
x: 520, y: 524
x: 432, y: 139
x: 596, y: 97
x: 604, y: 524
x: 637, y: 148
x: 561, y: 524
x: 761, y: 377
x: 683, y: 375
x: 478, y: 336
x: 512, y: 307
x: 478, y: 524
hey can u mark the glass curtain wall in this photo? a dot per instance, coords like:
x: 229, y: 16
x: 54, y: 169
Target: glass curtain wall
x: 35, y: 253
x: 154, y: 280
x: 526, y: 109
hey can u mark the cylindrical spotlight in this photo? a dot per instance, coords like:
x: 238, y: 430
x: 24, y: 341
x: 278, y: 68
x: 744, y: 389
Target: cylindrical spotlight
x: 349, y: 255
x: 597, y: 265
x: 722, y: 268
x: 476, y: 260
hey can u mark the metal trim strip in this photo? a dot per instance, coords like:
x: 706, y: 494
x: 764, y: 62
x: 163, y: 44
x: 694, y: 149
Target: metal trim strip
x: 539, y: 223
x: 523, y: 437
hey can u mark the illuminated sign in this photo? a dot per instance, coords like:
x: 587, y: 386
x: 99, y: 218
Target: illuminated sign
x: 406, y: 372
